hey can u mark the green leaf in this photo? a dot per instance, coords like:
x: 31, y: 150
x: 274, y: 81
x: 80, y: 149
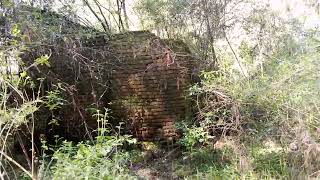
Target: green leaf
x: 15, y: 30
x: 132, y: 141
x: 23, y: 74
x: 43, y: 60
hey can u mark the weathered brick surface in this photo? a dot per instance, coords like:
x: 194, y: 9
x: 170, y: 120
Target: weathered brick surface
x: 144, y: 78
x: 151, y: 80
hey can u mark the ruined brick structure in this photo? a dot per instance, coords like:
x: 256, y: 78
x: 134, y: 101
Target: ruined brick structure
x: 150, y: 81
x: 142, y: 78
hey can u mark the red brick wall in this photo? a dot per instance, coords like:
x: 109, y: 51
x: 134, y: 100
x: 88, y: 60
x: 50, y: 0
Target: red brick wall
x: 151, y: 80
x: 143, y: 76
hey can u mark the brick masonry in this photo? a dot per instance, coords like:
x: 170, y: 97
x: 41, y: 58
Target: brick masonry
x: 142, y: 78
x: 151, y: 80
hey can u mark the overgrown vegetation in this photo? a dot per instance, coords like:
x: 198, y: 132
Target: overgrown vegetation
x: 103, y: 158
x: 256, y: 105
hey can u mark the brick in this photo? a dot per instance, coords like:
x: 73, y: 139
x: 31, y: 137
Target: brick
x: 133, y: 67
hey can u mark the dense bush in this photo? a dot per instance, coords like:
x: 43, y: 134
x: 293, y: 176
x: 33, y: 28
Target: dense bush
x: 277, y: 106
x: 98, y: 160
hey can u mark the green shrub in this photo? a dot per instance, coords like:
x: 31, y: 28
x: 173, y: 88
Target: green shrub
x: 102, y: 160
x: 279, y: 103
x: 194, y: 136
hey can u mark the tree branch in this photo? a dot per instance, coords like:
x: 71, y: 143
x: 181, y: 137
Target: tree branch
x: 105, y: 28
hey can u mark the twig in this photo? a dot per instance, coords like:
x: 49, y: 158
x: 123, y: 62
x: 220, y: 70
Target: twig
x: 16, y: 163
x: 235, y: 55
